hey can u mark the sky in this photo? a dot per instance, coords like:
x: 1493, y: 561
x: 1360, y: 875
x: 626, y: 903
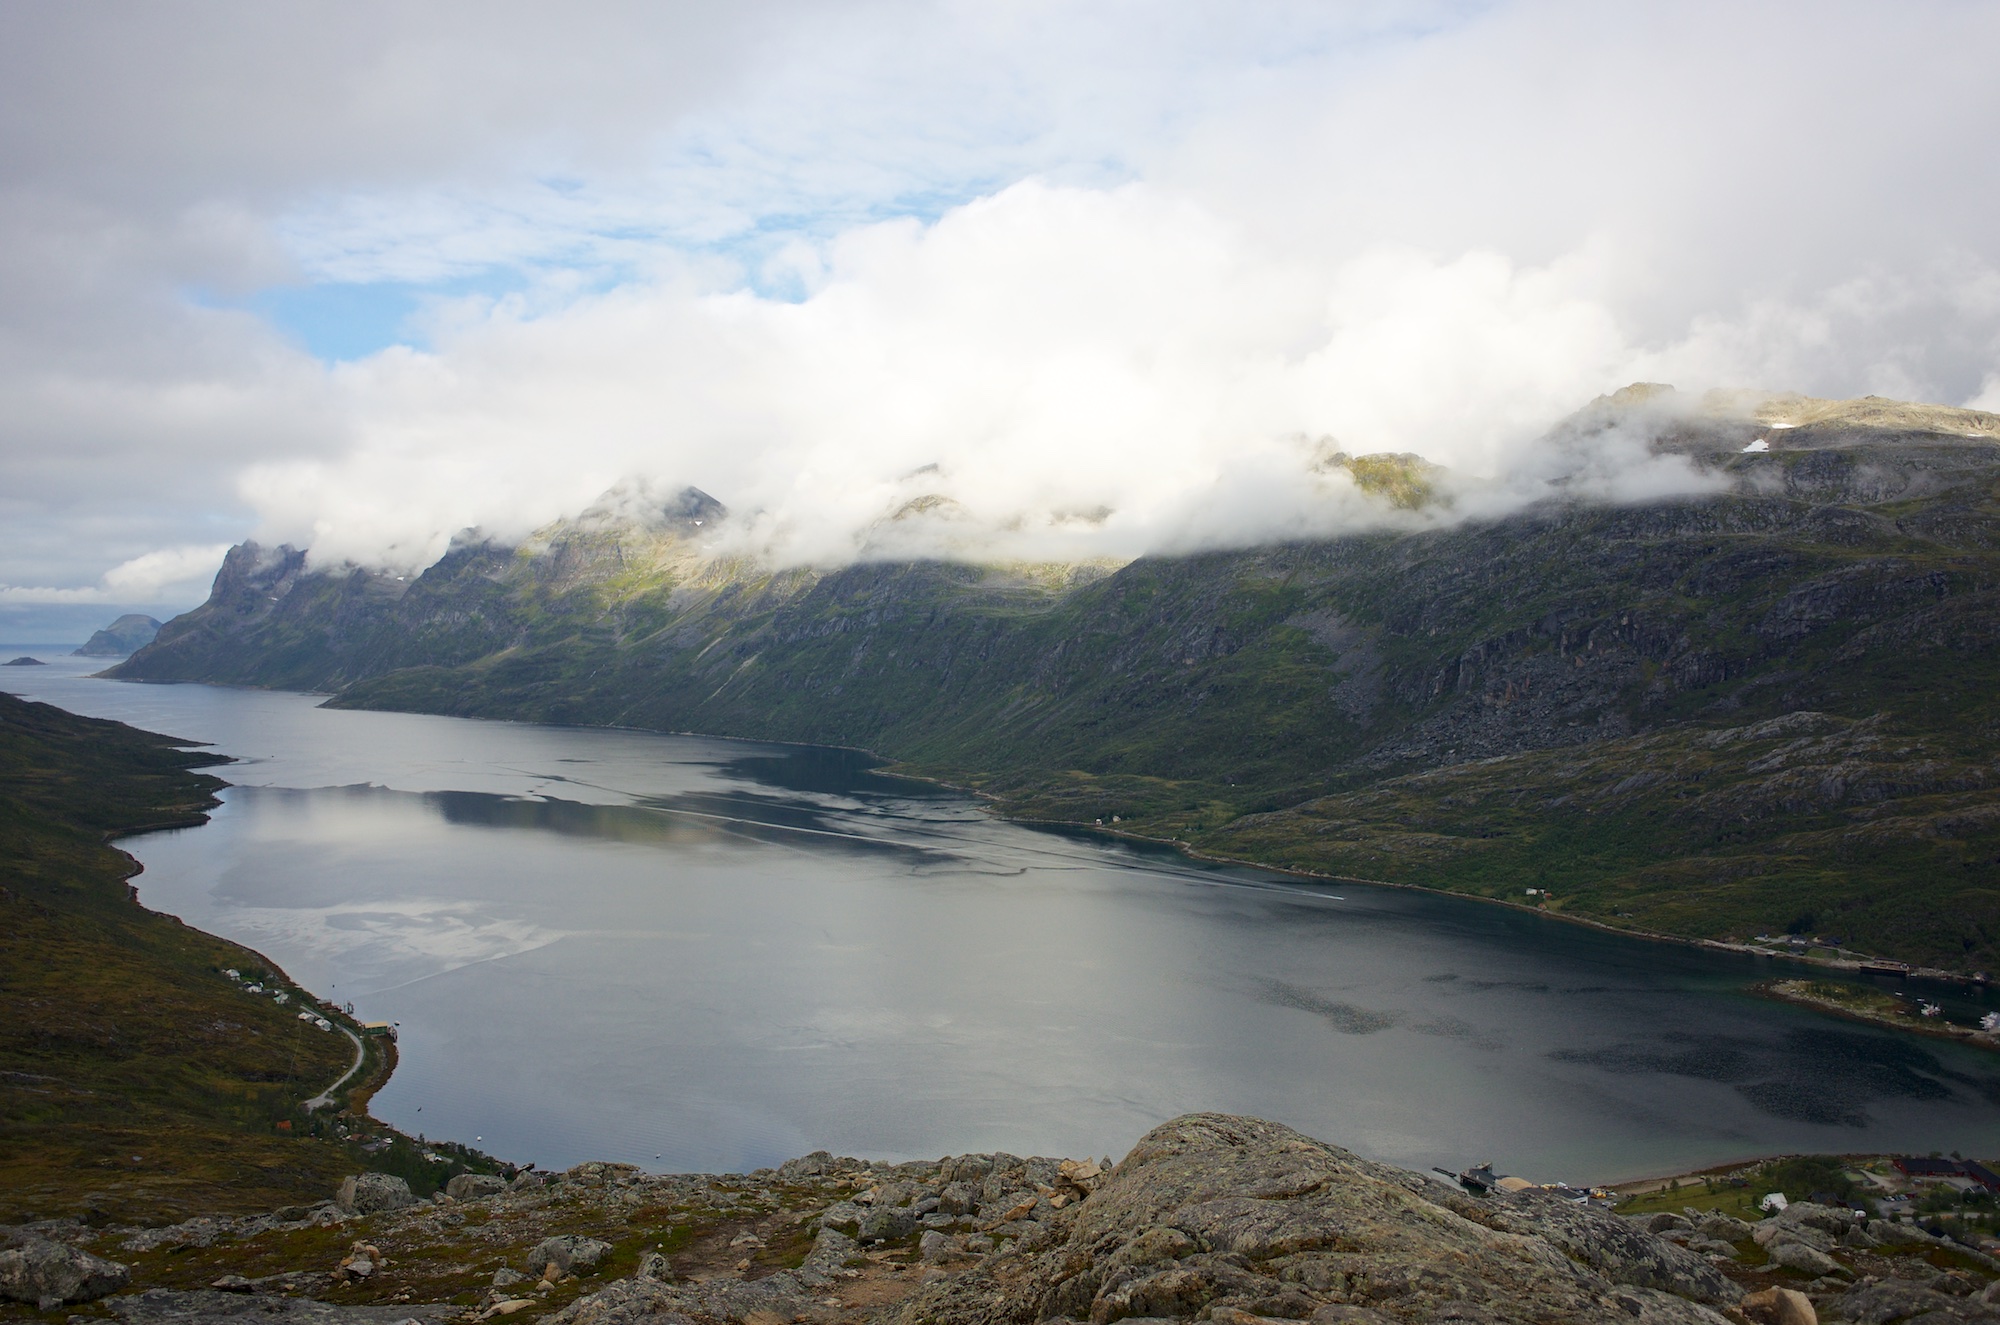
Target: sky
x: 1105, y: 277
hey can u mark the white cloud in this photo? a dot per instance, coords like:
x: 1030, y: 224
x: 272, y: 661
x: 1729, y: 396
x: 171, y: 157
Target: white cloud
x: 166, y: 575
x: 1038, y: 354
x: 1079, y: 255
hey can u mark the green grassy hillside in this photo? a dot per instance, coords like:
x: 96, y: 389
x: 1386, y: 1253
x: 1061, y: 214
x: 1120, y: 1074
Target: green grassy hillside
x: 138, y: 1083
x: 1771, y: 708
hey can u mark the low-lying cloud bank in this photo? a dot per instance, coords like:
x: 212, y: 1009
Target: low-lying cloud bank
x: 1048, y: 373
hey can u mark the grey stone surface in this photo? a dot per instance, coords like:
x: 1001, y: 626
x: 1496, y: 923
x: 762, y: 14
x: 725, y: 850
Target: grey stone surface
x: 887, y: 1225
x: 47, y: 1274
x: 1724, y: 1228
x: 831, y: 1250
x: 805, y: 1166
x: 1795, y: 1255
x: 632, y: 1301
x: 569, y: 1253
x: 472, y: 1186
x: 1218, y: 1214
x: 969, y: 1170
x: 958, y: 1198
x: 162, y: 1306
x: 1901, y: 1300
x: 372, y: 1193
x: 1831, y: 1219
x: 843, y: 1215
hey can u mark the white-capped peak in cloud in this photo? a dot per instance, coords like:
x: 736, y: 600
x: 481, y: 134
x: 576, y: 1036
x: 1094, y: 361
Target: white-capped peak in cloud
x: 966, y: 387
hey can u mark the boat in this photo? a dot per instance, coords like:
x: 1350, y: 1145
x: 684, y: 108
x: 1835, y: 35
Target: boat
x: 1877, y: 967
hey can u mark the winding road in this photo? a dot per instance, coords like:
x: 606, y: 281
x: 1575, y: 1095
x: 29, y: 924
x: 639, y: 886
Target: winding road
x: 325, y: 1097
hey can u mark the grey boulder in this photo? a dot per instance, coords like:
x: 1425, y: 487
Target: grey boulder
x: 1893, y: 1300
x: 1795, y: 1255
x: 844, y: 1216
x: 958, y: 1198
x: 831, y: 1251
x: 372, y: 1193
x: 568, y: 1253
x: 887, y: 1225
x: 805, y: 1166
x: 54, y: 1274
x: 1725, y: 1228
x: 472, y: 1186
x: 1219, y: 1217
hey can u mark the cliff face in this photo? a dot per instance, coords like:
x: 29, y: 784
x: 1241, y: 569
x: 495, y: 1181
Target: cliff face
x: 1766, y: 709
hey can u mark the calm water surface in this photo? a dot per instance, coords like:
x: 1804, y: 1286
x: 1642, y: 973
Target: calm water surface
x: 699, y: 954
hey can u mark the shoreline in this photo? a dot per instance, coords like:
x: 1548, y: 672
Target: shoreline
x: 1937, y: 1030
x: 1192, y: 852
x: 893, y: 767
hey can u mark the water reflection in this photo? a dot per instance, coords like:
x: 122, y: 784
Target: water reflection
x: 615, y: 945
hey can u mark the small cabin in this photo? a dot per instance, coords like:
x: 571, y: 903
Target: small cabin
x: 382, y: 1028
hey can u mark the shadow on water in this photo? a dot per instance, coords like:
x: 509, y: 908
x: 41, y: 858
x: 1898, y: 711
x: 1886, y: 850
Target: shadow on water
x: 1809, y: 1074
x: 829, y: 772
x: 666, y: 821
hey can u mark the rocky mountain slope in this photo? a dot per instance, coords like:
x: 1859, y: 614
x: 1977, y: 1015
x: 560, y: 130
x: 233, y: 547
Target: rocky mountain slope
x: 127, y: 635
x: 1210, y: 1218
x: 1772, y: 708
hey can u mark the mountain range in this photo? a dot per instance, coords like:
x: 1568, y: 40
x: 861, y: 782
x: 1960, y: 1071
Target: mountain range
x: 1772, y: 707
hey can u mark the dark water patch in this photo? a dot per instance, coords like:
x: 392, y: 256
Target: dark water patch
x: 812, y: 770
x: 671, y: 820
x: 1676, y: 1054
x: 1453, y: 1028
x: 1813, y: 1075
x: 1346, y: 1018
x: 1803, y: 1102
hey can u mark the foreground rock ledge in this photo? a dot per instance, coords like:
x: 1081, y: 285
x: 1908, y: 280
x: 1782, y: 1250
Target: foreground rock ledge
x: 1211, y: 1218
x: 1223, y: 1217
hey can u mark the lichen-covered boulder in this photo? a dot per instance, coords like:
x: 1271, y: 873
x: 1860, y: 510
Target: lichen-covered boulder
x: 53, y: 1274
x: 472, y: 1186
x: 1223, y: 1217
x: 568, y: 1254
x: 372, y: 1193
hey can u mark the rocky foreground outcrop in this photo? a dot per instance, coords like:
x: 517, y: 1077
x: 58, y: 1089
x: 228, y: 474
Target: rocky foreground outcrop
x: 1211, y: 1218
x: 1228, y: 1218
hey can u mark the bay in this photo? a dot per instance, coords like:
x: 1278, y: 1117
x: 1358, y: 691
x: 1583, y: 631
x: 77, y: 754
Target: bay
x: 702, y: 954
